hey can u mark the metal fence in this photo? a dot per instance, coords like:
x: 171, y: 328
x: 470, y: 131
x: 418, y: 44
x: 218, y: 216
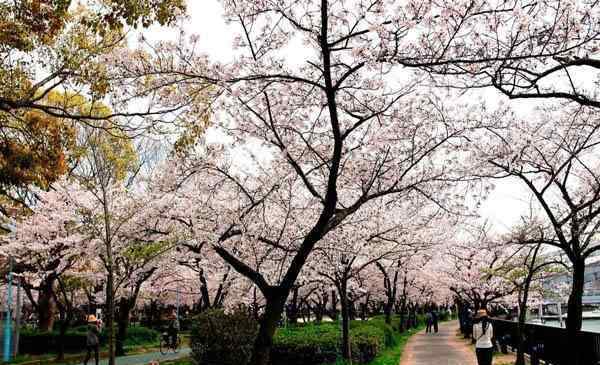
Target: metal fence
x: 548, y: 343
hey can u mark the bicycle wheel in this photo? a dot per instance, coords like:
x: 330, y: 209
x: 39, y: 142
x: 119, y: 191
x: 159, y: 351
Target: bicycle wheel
x: 164, y: 346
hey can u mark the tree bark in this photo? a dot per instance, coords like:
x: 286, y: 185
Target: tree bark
x: 521, y: 324
x: 292, y: 313
x: 64, y: 326
x: 334, y: 302
x: 125, y: 308
x: 346, y: 350
x: 574, y: 313
x: 46, y: 308
x: 266, y: 331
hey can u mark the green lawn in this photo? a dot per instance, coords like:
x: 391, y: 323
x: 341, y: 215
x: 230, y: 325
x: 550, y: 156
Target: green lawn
x: 391, y: 355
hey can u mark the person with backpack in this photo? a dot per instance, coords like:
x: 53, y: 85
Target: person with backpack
x: 92, y: 339
x: 483, y: 332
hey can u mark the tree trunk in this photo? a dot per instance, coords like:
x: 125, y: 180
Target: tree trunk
x: 402, y: 326
x: 346, y: 351
x: 266, y: 331
x: 122, y: 325
x: 521, y: 325
x: 46, y: 308
x: 64, y: 326
x: 110, y: 316
x: 334, y: 301
x: 388, y: 312
x: 205, y: 297
x: 292, y: 312
x: 574, y: 313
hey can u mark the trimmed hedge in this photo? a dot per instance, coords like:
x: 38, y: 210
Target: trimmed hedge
x: 37, y: 343
x: 320, y: 343
x: 217, y: 335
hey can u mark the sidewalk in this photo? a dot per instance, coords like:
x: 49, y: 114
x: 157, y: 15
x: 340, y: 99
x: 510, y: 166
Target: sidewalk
x: 143, y: 359
x: 442, y: 348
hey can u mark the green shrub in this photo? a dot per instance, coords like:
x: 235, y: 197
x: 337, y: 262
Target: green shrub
x: 320, y: 343
x: 307, y: 344
x: 219, y: 338
x: 34, y: 342
x: 138, y: 335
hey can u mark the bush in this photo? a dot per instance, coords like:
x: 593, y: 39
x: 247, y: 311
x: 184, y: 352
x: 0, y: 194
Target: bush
x: 224, y: 339
x: 38, y: 343
x: 307, y: 344
x: 218, y: 338
x: 320, y: 343
x: 138, y: 335
x: 34, y: 342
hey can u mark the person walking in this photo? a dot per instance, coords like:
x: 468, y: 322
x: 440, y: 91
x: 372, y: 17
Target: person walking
x: 434, y: 320
x: 428, y: 322
x: 92, y: 339
x: 483, y: 332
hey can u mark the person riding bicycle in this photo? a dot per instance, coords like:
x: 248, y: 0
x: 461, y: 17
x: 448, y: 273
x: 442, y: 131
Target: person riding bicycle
x: 173, y: 329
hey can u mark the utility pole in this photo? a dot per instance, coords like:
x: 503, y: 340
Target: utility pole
x: 177, y: 299
x: 8, y: 324
x: 18, y: 319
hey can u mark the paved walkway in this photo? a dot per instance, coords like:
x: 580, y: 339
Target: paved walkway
x: 144, y: 359
x: 442, y: 348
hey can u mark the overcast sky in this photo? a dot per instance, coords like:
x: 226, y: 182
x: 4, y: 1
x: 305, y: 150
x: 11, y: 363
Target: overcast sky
x: 504, y: 207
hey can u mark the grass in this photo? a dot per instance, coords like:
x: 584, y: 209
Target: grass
x: 391, y: 356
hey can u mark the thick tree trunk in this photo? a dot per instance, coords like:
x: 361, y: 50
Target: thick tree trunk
x: 521, y: 325
x: 364, y: 310
x: 46, y: 308
x: 387, y: 310
x: 402, y: 326
x: 574, y: 313
x: 64, y: 326
x: 266, y: 331
x: 292, y: 308
x: 205, y: 296
x: 334, y: 302
x: 125, y: 308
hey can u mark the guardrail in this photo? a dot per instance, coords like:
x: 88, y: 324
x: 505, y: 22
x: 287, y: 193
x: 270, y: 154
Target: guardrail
x: 548, y: 343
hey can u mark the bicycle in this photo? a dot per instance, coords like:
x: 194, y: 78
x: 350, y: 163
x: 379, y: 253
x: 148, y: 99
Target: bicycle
x: 166, y: 344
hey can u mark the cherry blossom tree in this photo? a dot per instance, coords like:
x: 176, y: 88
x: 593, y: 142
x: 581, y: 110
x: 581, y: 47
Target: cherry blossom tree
x: 335, y: 131
x: 523, y: 49
x: 554, y: 155
x: 47, y: 247
x: 342, y: 255
x: 468, y: 268
x: 214, y: 278
x: 526, y: 269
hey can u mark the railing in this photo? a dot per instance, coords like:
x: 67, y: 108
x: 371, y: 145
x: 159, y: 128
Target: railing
x: 548, y: 343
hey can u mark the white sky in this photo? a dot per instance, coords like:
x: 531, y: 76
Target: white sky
x: 507, y: 203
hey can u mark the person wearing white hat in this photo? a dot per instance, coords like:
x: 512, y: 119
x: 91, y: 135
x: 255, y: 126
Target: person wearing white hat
x: 483, y: 332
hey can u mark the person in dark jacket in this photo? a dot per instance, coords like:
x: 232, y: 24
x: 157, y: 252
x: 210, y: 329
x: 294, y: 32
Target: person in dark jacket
x: 434, y: 320
x: 92, y: 339
x: 428, y: 322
